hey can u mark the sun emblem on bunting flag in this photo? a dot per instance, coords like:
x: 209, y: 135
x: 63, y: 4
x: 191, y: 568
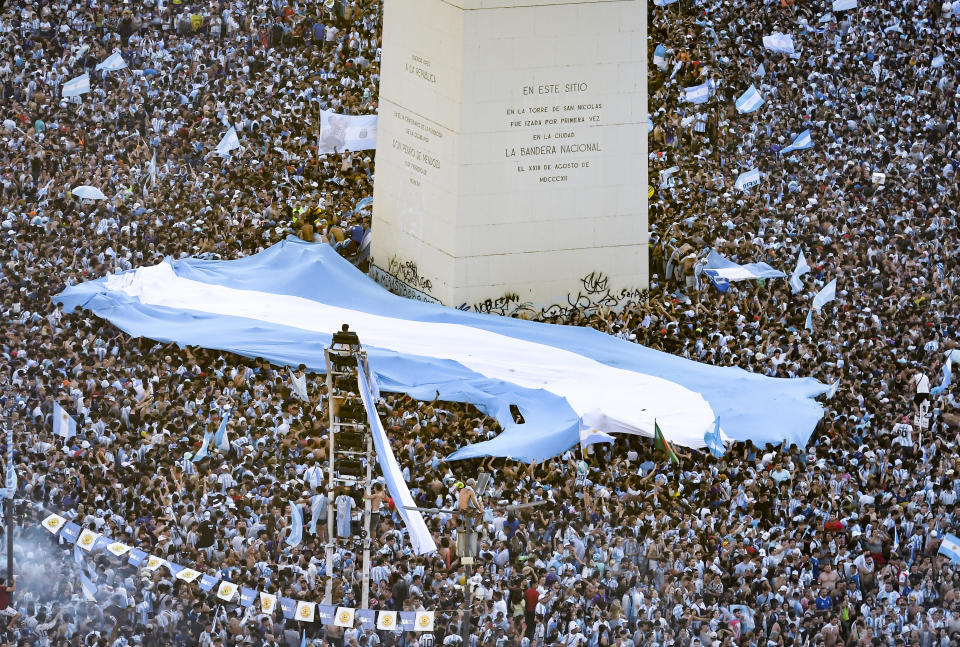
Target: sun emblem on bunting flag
x: 53, y: 523
x: 117, y: 548
x: 154, y: 562
x: 267, y: 602
x: 424, y: 621
x: 188, y: 575
x: 387, y: 620
x: 305, y: 611
x: 344, y: 617
x: 86, y: 539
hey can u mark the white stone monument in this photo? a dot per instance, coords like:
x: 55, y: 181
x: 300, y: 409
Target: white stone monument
x: 511, y: 150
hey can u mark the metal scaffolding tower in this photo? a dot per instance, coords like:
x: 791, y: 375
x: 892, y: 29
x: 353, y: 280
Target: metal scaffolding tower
x: 351, y: 453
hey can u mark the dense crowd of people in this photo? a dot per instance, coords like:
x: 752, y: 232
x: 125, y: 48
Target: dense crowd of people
x: 832, y: 544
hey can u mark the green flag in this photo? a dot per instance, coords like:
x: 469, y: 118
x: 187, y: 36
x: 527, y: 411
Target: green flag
x: 662, y: 444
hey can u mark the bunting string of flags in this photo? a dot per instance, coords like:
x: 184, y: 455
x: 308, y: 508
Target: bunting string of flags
x: 85, y: 541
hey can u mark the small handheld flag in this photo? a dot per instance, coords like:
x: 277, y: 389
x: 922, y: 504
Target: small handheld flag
x: 203, y: 452
x: 714, y: 440
x: 590, y: 436
x: 825, y: 296
x: 801, y: 142
x: 89, y: 588
x: 221, y: 440
x: 662, y: 444
x: 112, y: 63
x: 801, y: 269
x: 950, y: 547
x: 749, y: 100
x: 76, y: 86
x: 296, y: 525
x: 63, y: 423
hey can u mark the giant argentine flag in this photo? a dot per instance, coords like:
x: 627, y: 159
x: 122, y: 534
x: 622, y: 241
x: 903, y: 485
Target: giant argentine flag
x: 284, y: 304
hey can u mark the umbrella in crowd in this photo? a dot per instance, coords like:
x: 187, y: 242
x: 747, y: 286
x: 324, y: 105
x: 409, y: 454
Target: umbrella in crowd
x: 88, y: 193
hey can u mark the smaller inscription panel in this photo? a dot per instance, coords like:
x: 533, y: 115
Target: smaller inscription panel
x: 555, y: 139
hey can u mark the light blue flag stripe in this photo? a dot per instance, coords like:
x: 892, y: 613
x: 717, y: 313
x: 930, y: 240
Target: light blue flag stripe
x: 288, y: 606
x: 367, y: 618
x: 809, y: 323
x: 296, y: 525
x: 326, y: 284
x: 71, y: 532
x: 207, y: 582
x: 248, y: 596
x: 137, y: 557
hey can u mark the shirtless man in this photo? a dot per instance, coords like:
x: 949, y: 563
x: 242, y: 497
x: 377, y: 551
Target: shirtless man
x: 468, y: 497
